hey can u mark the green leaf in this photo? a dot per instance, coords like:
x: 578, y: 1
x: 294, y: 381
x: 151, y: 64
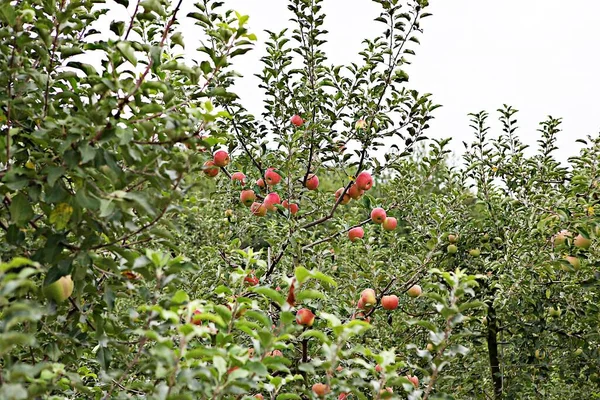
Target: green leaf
x: 21, y: 211
x: 61, y: 215
x: 302, y: 274
x: 127, y: 51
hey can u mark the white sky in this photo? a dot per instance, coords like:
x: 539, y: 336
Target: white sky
x: 541, y: 56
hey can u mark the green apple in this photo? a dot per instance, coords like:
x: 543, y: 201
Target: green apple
x: 59, y: 290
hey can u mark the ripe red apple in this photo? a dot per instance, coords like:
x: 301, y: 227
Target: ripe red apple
x: 270, y: 201
x: 364, y: 181
x: 221, y: 158
x: 415, y: 291
x: 414, y: 380
x: 354, y: 192
x: 346, y: 198
x: 320, y: 389
x: 378, y: 215
x: 390, y: 223
x: 272, y: 177
x: 356, y: 233
x: 194, y: 320
x: 209, y: 169
x: 312, y: 182
x: 305, y: 317
x: 247, y: 197
x: 582, y: 242
x: 343, y: 396
x: 368, y: 297
x: 258, y: 209
x: 389, y: 302
x: 59, y: 290
x: 292, y: 207
x: 378, y: 368
x: 297, y: 120
x: 277, y: 353
x: 260, y: 183
x: 251, y: 280
x: 238, y: 176
x: 259, y: 396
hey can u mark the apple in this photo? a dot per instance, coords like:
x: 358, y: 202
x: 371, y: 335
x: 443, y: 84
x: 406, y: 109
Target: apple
x: 59, y: 290
x: 320, y: 389
x: 378, y: 368
x: 360, y: 124
x: 260, y: 183
x: 452, y: 249
x: 346, y: 198
x: 312, y: 182
x: 540, y: 354
x: 475, y: 252
x: 364, y: 181
x: 258, y: 209
x: 452, y: 238
x: 292, y: 207
x: 343, y: 396
x: 270, y: 201
x: 339, y: 368
x: 259, y: 396
x: 238, y: 176
x: 251, y: 280
x: 429, y: 347
x: 368, y: 297
x: 221, y: 158
x: 297, y: 120
x: 305, y: 317
x: 209, y: 169
x: 228, y: 213
x: 579, y: 351
x: 414, y: 291
x: 194, y: 320
x: 390, y: 223
x: 414, y: 380
x: 574, y: 261
x: 561, y: 237
x: 555, y: 312
x: 582, y: 242
x: 354, y: 192
x: 277, y: 353
x: 360, y: 304
x: 272, y: 177
x: 383, y: 392
x: 389, y: 302
x: 247, y: 197
x: 378, y: 215
x: 356, y: 233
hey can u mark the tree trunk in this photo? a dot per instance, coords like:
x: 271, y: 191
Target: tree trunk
x: 492, y: 342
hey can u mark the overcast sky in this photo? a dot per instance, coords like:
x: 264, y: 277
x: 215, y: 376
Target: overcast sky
x: 541, y: 56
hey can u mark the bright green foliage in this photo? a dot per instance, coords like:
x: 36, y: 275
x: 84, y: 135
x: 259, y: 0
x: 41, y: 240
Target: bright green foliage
x: 180, y: 292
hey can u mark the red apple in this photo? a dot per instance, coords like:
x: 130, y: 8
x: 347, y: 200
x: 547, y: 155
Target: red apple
x: 258, y: 209
x: 209, y: 169
x: 312, y: 182
x: 221, y: 158
x: 354, y: 192
x: 346, y: 198
x: 259, y: 396
x: 247, y: 197
x: 272, y: 177
x: 194, y: 320
x: 251, y: 280
x: 389, y: 224
x: 292, y: 207
x: 415, y: 291
x: 378, y: 368
x: 260, y: 183
x: 364, y: 181
x: 297, y: 120
x: 360, y: 124
x: 320, y: 389
x: 270, y: 201
x: 238, y: 176
x: 378, y: 215
x: 343, y: 396
x: 305, y: 317
x: 368, y: 297
x: 277, y: 353
x: 389, y: 302
x: 414, y: 380
x: 356, y: 233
